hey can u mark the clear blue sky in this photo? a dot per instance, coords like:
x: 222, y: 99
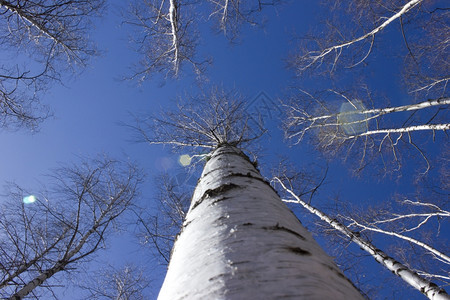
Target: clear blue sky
x: 89, y: 108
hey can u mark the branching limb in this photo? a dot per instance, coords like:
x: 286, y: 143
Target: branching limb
x: 312, y: 58
x: 232, y: 14
x: 66, y: 227
x: 206, y: 121
x: 165, y: 36
x: 352, y: 128
x: 298, y: 116
x: 51, y: 38
x: 429, y: 289
x: 362, y: 227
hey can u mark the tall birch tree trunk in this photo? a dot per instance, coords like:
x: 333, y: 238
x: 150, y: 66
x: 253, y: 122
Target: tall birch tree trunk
x: 239, y: 241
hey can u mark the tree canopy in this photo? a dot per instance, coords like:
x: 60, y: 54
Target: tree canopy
x: 351, y: 97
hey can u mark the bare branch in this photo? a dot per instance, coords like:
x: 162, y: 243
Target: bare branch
x: 65, y: 227
x: 312, y: 58
x: 158, y: 231
x: 51, y: 37
x: 429, y: 289
x: 206, y: 121
x: 230, y: 15
x: 166, y: 37
x: 125, y: 283
x: 362, y: 227
x: 356, y: 129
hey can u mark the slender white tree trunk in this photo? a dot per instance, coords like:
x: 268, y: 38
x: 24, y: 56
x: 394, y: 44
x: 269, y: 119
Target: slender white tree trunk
x: 239, y: 241
x: 429, y: 289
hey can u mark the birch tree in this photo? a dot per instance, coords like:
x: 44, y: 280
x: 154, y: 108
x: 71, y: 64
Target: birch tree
x: 238, y: 239
x: 356, y: 28
x: 40, y: 40
x: 353, y: 41
x: 165, y: 37
x: 166, y: 33
x: 408, y: 275
x: 363, y: 134
x: 367, y: 132
x: 126, y: 283
x: 52, y: 232
x: 230, y: 15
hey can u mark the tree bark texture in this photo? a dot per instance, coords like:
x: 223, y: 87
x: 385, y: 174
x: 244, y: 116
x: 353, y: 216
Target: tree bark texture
x: 240, y: 241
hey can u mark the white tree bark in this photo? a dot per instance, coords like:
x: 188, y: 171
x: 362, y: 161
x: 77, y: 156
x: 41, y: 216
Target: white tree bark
x: 300, y: 116
x: 173, y: 19
x: 443, y: 127
x: 239, y: 241
x: 300, y: 121
x: 429, y: 289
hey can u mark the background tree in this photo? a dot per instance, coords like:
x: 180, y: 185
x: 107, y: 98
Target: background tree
x: 354, y: 40
x: 125, y: 283
x: 166, y: 34
x: 165, y: 37
x: 367, y: 135
x: 407, y: 274
x: 56, y: 230
x: 158, y: 230
x: 370, y: 127
x: 40, y: 41
x: 231, y: 15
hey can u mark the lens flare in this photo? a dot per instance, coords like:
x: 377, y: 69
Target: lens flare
x: 29, y: 199
x: 351, y: 119
x: 185, y: 160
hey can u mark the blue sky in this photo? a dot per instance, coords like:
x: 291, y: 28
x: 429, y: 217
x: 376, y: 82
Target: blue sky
x: 89, y: 108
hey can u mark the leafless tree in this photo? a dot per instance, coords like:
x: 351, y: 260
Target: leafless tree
x: 165, y: 36
x: 42, y: 39
x: 231, y: 197
x: 230, y: 15
x: 126, y: 283
x: 330, y: 48
x: 350, y: 41
x: 166, y: 32
x: 404, y: 223
x: 204, y: 122
x: 350, y: 36
x: 64, y: 226
x: 364, y: 130
x: 413, y: 224
x: 359, y: 126
x: 158, y: 231
x: 353, y: 130
x: 415, y: 279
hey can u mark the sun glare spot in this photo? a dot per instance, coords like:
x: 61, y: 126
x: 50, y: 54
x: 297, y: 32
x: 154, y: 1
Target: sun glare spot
x: 29, y: 199
x: 351, y: 119
x: 185, y: 160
